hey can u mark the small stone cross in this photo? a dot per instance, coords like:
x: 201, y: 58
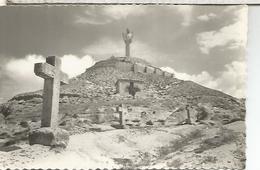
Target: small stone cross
x: 52, y: 75
x: 122, y: 110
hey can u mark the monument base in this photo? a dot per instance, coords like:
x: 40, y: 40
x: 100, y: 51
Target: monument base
x: 54, y: 137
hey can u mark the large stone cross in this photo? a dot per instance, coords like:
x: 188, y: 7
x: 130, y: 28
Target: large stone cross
x: 52, y: 75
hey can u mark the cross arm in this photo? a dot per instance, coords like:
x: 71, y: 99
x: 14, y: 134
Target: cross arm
x: 47, y: 71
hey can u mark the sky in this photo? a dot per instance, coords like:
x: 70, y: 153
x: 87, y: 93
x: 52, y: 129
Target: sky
x: 205, y: 44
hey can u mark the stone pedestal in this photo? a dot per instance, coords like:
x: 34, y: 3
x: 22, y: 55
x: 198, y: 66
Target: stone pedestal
x: 49, y: 137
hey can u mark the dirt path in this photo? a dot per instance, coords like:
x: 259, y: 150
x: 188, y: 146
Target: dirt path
x: 147, y: 147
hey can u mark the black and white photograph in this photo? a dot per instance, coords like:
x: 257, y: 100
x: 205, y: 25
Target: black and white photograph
x: 123, y: 86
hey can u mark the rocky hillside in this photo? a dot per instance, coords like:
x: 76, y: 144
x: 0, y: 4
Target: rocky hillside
x: 88, y: 103
x: 90, y: 99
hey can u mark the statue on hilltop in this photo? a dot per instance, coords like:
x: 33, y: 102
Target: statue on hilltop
x: 127, y: 37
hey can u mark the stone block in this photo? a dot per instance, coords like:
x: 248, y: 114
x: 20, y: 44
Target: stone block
x: 49, y: 137
x: 158, y: 71
x: 167, y: 74
x: 139, y: 68
x: 98, y: 118
x: 149, y: 69
x: 118, y: 126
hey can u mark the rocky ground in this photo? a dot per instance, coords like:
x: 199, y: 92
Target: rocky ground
x: 155, y: 136
x: 186, y: 146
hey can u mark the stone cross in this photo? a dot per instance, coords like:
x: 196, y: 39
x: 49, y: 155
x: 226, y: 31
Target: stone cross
x: 53, y: 77
x: 128, y: 36
x: 122, y: 110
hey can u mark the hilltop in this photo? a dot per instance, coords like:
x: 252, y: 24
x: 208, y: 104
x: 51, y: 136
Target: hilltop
x: 88, y: 103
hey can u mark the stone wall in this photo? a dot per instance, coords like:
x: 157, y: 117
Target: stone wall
x: 139, y: 68
x: 167, y: 74
x: 128, y: 66
x: 122, y: 65
x: 149, y: 70
x: 158, y: 71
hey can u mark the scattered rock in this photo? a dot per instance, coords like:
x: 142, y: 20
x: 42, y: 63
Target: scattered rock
x: 149, y: 122
x: 143, y: 113
x: 162, y: 122
x: 95, y: 129
x: 49, y: 137
x: 7, y: 142
x: 98, y: 118
x: 9, y: 148
x: 75, y: 116
x: 118, y: 126
x: 35, y: 100
x: 24, y: 124
x: 4, y: 135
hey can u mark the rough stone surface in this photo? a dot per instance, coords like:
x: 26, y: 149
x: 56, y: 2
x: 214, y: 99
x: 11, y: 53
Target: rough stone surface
x: 139, y: 68
x: 158, y: 71
x: 49, y: 137
x: 149, y: 69
x: 167, y: 74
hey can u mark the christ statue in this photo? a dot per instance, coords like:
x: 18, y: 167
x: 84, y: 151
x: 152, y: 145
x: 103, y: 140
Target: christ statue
x: 128, y: 36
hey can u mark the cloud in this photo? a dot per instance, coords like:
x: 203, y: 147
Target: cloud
x: 21, y: 67
x: 186, y: 12
x: 206, y: 17
x: 73, y: 65
x: 123, y: 11
x: 2, y: 2
x: 23, y: 79
x: 91, y: 20
x: 233, y: 36
x: 204, y: 78
x: 21, y: 74
x: 231, y: 81
x: 109, y: 13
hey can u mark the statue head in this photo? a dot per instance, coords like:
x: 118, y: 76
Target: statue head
x: 128, y: 36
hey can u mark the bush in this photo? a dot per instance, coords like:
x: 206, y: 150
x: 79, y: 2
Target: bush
x: 201, y: 113
x: 24, y: 124
x: 133, y: 90
x: 6, y: 110
x: 224, y: 136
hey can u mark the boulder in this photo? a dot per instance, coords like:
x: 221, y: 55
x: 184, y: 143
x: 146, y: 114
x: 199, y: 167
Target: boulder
x: 149, y: 122
x: 118, y: 126
x: 54, y: 137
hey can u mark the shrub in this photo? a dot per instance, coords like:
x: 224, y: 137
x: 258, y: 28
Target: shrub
x: 201, y: 113
x: 24, y: 124
x: 224, y: 136
x: 133, y: 90
x: 6, y: 110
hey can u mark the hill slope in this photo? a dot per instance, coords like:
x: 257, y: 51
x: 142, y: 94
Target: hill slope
x: 90, y: 100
